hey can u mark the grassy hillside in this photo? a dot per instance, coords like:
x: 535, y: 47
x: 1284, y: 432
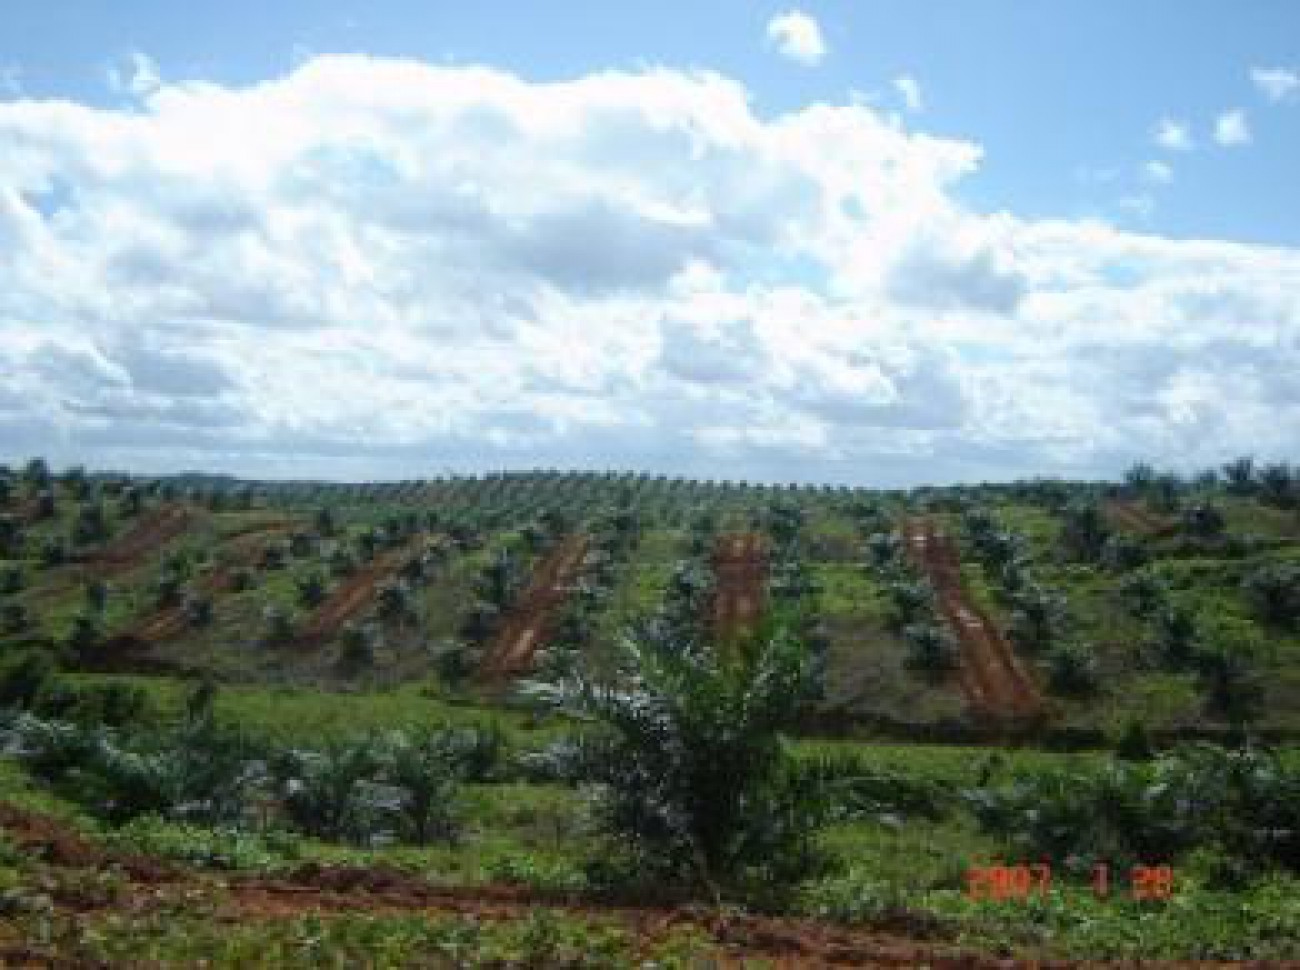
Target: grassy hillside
x: 306, y: 638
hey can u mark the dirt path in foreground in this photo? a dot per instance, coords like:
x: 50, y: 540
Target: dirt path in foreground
x: 740, y: 583
x: 529, y: 622
x: 326, y: 891
x: 992, y: 677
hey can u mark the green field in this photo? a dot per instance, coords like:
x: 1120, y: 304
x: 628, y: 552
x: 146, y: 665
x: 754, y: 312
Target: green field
x: 237, y: 743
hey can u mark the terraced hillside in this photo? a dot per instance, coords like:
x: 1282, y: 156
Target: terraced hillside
x: 281, y: 717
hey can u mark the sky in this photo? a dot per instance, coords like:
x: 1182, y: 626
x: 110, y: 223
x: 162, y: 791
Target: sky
x: 860, y: 242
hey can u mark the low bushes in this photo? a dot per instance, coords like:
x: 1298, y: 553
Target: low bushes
x: 1242, y: 807
x: 394, y: 787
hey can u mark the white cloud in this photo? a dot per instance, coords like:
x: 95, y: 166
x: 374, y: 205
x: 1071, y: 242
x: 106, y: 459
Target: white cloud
x: 797, y: 36
x: 1158, y: 172
x: 1141, y: 206
x: 374, y: 267
x: 1175, y: 136
x: 909, y: 89
x: 1231, y: 129
x: 1276, y: 83
x: 137, y: 74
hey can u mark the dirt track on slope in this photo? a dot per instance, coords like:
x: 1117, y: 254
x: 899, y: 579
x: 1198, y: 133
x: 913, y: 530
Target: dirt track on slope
x: 352, y: 596
x: 1133, y: 517
x: 740, y: 583
x: 246, y: 548
x: 992, y: 677
x: 150, y: 532
x: 529, y: 622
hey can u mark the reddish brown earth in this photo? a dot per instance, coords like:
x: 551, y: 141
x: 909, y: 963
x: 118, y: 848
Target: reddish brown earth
x: 245, y: 549
x: 992, y: 677
x: 1134, y: 517
x: 352, y: 596
x: 326, y: 892
x: 529, y: 623
x: 151, y: 531
x: 740, y: 583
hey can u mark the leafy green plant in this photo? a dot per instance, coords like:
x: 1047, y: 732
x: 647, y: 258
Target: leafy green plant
x: 687, y: 762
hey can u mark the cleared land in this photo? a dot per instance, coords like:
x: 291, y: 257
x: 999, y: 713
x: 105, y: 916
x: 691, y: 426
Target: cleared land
x: 740, y: 583
x: 528, y: 623
x: 992, y: 677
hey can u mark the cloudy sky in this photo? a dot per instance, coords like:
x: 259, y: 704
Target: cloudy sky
x: 857, y: 242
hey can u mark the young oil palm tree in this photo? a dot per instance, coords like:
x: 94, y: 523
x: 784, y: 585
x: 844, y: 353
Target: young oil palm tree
x: 686, y: 758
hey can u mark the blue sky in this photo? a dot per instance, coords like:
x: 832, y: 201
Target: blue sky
x: 1019, y: 243
x: 1063, y: 96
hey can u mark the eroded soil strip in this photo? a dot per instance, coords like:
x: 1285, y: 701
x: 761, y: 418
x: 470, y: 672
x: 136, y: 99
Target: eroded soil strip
x: 246, y: 548
x: 328, y: 891
x: 1132, y: 517
x: 740, y: 583
x: 528, y: 624
x: 992, y: 677
x: 352, y: 596
x: 151, y: 531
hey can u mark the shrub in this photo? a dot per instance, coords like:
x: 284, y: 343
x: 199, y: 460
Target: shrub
x: 24, y: 678
x: 11, y: 580
x: 332, y: 793
x: 96, y: 595
x: 311, y: 589
x: 277, y: 625
x: 1083, y: 532
x: 420, y: 765
x: 1245, y: 802
x: 1143, y: 593
x: 360, y: 642
x: 14, y: 618
x: 1121, y: 553
x: 1203, y: 521
x: 198, y: 608
x: 931, y: 649
x: 85, y: 633
x: 689, y: 771
x: 1072, y: 670
x: 1274, y: 590
x: 1174, y: 639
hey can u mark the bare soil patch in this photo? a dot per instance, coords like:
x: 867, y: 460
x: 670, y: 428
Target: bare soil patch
x: 992, y: 676
x: 352, y: 596
x: 151, y: 531
x: 1134, y: 517
x: 740, y: 565
x: 528, y: 625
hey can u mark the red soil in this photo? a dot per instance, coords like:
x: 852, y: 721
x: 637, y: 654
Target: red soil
x: 528, y: 625
x: 992, y: 677
x: 1133, y: 517
x: 352, y: 596
x: 245, y: 549
x: 350, y: 890
x: 740, y: 583
x: 151, y: 531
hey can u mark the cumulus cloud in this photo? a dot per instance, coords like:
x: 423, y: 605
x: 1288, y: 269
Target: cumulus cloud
x: 1276, y: 83
x: 1158, y: 172
x: 909, y: 89
x: 1172, y: 135
x: 136, y: 74
x: 797, y: 36
x: 373, y: 267
x: 1231, y: 129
